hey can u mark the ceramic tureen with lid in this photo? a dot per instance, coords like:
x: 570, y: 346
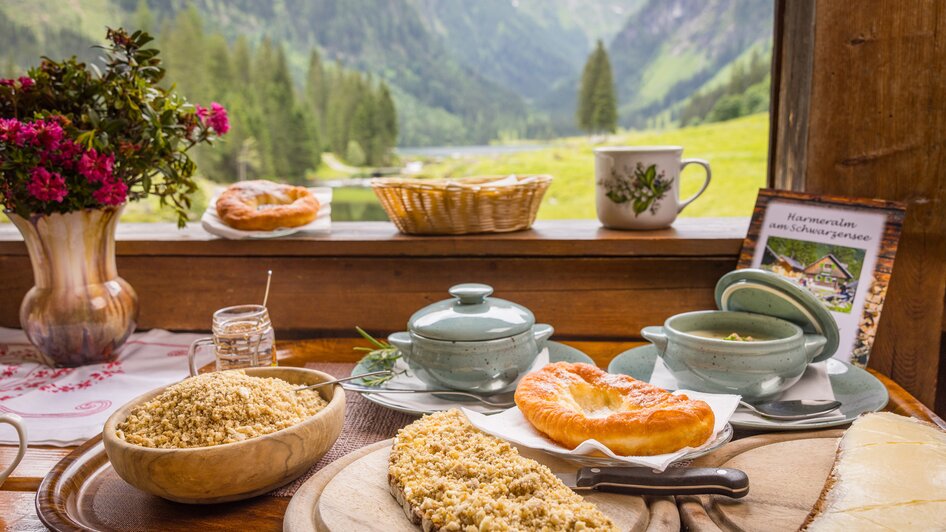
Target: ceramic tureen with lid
x: 472, y: 342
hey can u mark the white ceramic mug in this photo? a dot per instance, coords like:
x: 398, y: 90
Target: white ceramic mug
x: 17, y: 422
x: 638, y: 187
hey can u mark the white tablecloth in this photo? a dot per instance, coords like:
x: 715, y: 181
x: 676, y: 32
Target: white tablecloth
x: 66, y: 406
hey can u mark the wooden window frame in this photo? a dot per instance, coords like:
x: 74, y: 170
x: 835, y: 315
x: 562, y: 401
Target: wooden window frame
x: 591, y: 282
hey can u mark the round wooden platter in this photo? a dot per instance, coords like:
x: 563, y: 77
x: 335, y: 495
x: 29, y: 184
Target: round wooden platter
x: 352, y: 494
x: 787, y: 472
x: 83, y: 492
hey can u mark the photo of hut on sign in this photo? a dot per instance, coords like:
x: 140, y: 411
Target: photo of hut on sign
x: 840, y: 249
x: 830, y: 272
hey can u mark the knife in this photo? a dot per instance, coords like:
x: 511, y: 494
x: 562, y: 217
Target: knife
x: 645, y: 481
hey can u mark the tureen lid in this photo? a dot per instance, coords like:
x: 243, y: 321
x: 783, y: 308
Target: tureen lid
x: 762, y: 292
x: 470, y: 316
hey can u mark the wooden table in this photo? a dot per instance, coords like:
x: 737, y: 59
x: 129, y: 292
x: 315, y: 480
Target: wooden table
x: 17, y: 495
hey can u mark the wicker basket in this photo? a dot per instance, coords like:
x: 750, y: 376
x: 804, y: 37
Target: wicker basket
x: 487, y: 204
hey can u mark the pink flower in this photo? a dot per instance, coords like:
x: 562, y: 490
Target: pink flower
x: 46, y: 186
x: 112, y: 192
x: 15, y: 132
x: 47, y: 134
x: 68, y: 150
x: 26, y: 82
x: 218, y: 119
x: 9, y: 127
x: 96, y: 167
x: 201, y: 112
x: 7, y: 82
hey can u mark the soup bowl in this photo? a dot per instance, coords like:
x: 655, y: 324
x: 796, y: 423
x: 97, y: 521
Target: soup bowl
x: 230, y: 471
x: 695, y: 351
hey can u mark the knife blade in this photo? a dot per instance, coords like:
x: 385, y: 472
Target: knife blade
x: 644, y: 481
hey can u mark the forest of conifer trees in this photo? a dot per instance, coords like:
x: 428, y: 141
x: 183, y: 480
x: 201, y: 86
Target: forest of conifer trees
x: 280, y: 127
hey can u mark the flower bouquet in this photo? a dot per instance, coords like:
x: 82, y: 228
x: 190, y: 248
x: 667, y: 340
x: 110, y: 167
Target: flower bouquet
x: 76, y: 143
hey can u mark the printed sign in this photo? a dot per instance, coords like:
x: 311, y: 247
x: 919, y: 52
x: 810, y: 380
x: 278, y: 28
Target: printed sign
x: 840, y: 249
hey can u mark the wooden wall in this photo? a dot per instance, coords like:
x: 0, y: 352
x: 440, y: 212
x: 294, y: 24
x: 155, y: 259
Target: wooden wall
x: 862, y: 112
x: 588, y: 282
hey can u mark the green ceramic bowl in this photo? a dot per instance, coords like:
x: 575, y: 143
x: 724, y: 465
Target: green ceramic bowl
x: 693, y: 348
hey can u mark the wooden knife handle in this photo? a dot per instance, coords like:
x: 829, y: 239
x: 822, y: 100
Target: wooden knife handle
x: 676, y: 481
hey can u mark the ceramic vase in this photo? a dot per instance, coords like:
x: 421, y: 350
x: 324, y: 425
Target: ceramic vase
x: 79, y: 311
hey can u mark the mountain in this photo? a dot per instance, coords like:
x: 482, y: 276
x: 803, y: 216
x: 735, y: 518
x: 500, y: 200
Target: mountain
x: 669, y: 48
x: 460, y: 71
x: 596, y: 19
x: 504, y: 44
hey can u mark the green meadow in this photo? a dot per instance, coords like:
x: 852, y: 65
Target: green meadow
x: 736, y: 149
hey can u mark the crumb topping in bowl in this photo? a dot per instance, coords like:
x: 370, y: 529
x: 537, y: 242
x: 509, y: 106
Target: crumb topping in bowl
x: 218, y: 408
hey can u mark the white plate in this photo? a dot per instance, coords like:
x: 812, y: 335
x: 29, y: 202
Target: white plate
x: 557, y: 353
x: 857, y: 390
x: 321, y: 225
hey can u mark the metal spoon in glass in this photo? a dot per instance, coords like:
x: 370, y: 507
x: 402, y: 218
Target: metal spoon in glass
x: 792, y: 410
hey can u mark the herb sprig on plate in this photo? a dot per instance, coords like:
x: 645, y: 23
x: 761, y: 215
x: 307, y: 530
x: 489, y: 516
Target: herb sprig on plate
x: 382, y: 356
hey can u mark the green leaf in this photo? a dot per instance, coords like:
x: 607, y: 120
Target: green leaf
x: 615, y: 197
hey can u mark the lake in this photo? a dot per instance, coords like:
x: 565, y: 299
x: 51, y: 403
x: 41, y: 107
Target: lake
x: 467, y: 151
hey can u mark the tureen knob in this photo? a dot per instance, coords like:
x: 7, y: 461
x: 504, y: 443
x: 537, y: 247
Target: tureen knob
x: 471, y: 293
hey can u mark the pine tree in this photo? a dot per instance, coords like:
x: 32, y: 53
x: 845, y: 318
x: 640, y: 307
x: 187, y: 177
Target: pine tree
x: 316, y: 89
x: 589, y: 81
x: 363, y: 130
x: 241, y: 62
x: 183, y: 52
x: 605, y: 114
x: 387, y: 122
x: 597, y: 103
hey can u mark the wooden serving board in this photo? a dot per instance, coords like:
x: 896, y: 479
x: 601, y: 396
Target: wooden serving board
x: 83, y: 492
x: 354, y: 495
x: 787, y: 472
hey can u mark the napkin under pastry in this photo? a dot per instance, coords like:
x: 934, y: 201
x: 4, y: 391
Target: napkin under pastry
x: 512, y: 426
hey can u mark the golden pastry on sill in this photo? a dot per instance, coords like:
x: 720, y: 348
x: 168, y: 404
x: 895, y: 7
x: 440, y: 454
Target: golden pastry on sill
x: 266, y: 206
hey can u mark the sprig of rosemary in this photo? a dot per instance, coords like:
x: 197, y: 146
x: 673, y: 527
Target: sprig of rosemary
x: 382, y: 356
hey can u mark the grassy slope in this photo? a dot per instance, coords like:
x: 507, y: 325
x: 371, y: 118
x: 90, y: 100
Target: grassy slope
x: 735, y: 149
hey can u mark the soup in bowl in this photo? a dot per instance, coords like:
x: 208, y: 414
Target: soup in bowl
x: 752, y: 355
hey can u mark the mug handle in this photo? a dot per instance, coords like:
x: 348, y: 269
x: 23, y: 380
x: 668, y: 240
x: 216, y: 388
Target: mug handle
x: 706, y: 183
x: 192, y: 353
x: 20, y: 427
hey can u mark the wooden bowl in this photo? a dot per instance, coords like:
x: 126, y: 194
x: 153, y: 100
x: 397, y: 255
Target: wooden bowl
x: 231, y: 471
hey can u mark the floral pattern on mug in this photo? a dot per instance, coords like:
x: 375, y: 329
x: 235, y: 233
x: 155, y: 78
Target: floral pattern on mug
x: 644, y: 187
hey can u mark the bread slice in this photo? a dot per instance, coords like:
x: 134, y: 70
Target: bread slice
x: 889, y: 474
x: 447, y: 475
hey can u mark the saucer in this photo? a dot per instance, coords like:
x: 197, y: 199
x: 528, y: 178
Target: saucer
x: 858, y: 391
x: 557, y: 353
